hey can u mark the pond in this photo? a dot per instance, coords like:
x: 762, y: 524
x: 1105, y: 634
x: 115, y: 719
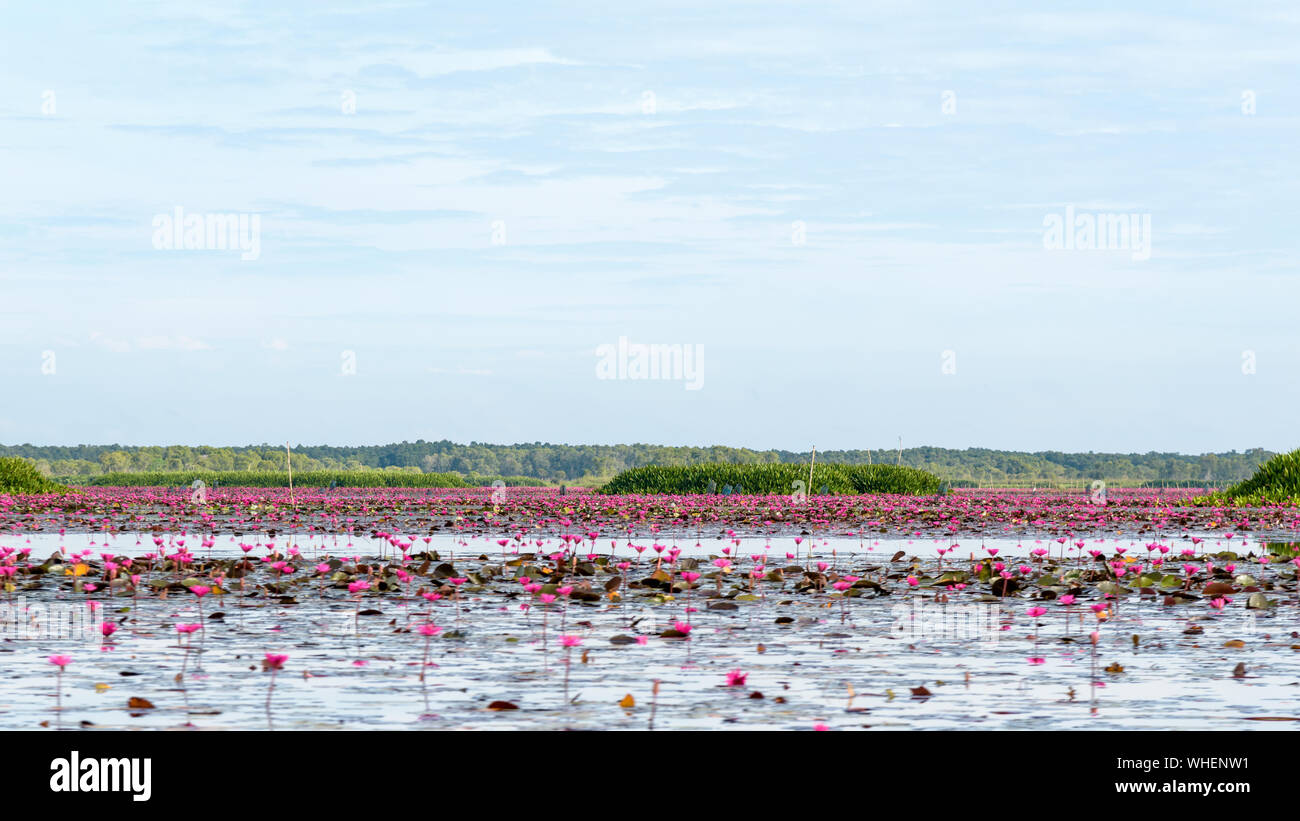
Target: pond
x: 903, y: 648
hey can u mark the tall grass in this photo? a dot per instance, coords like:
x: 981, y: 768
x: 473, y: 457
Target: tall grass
x: 781, y: 478
x: 1277, y: 480
x: 260, y: 478
x: 510, y: 481
x: 21, y: 476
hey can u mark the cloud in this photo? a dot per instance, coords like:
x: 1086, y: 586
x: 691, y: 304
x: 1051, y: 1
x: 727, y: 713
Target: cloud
x: 148, y: 343
x: 170, y: 343
x: 462, y: 371
x: 109, y: 343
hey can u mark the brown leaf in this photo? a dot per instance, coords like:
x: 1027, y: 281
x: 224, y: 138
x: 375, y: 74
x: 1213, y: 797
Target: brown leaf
x: 502, y: 705
x: 921, y: 692
x: 1234, y: 643
x: 1239, y: 671
x: 1115, y: 667
x: 137, y: 703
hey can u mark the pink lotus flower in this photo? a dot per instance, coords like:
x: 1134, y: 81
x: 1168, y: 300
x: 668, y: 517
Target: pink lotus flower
x: 61, y: 661
x: 736, y: 678
x: 570, y: 641
x: 275, y: 661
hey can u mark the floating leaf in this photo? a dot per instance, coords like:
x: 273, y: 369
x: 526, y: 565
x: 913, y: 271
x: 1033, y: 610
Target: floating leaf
x: 627, y: 702
x: 502, y: 705
x: 137, y: 703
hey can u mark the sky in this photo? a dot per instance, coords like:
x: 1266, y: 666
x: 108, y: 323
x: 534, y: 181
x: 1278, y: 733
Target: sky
x: 842, y: 210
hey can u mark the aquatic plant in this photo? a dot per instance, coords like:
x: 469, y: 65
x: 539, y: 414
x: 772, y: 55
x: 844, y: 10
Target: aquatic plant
x: 569, y: 642
x: 274, y: 662
x: 1277, y: 480
x: 21, y: 476
x: 59, y: 661
x: 428, y: 630
x: 837, y: 479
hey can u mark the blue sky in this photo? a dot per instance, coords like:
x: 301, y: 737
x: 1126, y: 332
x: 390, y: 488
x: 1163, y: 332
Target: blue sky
x: 651, y: 169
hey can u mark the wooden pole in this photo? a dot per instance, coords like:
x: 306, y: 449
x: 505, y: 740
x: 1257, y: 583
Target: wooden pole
x: 289, y: 461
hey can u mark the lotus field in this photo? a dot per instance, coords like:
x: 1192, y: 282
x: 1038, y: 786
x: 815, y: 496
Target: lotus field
x: 371, y: 608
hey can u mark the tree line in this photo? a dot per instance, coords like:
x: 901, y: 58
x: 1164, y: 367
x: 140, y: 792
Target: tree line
x: 576, y: 463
